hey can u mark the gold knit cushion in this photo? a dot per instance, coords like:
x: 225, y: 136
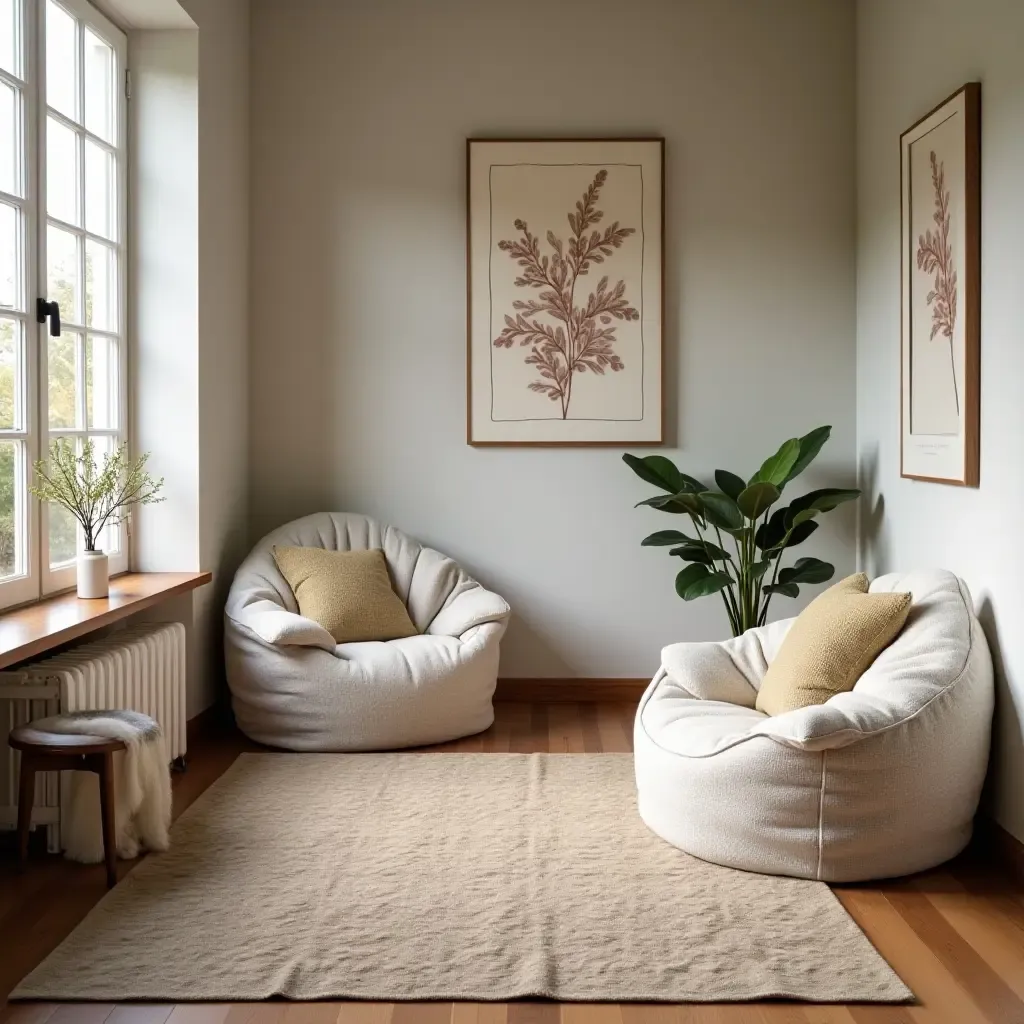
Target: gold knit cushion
x: 833, y: 641
x: 348, y: 592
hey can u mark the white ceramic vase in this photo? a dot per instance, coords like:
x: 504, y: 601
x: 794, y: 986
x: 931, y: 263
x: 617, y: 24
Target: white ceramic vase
x: 93, y: 574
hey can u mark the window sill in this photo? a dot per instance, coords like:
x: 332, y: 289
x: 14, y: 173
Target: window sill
x: 34, y: 629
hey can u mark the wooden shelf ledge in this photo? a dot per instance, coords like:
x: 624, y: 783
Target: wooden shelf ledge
x: 37, y: 628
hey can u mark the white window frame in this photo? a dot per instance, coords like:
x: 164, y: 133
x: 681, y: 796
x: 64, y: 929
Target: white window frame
x: 24, y: 585
x: 35, y: 577
x: 62, y: 577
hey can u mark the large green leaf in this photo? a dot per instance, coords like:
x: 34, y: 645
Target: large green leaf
x: 664, y: 538
x: 756, y: 499
x: 824, y: 500
x: 810, y: 445
x: 803, y: 516
x: 757, y: 569
x: 679, y: 503
x: 692, y: 553
x: 717, y: 553
x: 657, y: 470
x: 664, y: 503
x: 786, y: 589
x: 776, y: 469
x: 808, y: 570
x: 710, y: 584
x: 771, y: 534
x: 701, y: 551
x: 721, y: 510
x: 688, y: 576
x: 800, y: 533
x: 729, y: 483
x: 692, y: 484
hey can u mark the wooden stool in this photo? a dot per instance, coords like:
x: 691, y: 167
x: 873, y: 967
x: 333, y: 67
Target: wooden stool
x: 52, y: 752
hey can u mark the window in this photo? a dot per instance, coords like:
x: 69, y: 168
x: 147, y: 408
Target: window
x: 62, y: 232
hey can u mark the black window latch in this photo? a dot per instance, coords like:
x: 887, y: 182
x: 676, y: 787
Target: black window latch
x: 49, y: 310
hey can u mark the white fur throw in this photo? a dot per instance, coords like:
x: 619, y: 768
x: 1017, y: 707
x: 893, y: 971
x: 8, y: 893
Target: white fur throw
x: 142, y: 786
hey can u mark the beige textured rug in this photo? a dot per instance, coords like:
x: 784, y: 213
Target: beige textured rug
x: 449, y: 876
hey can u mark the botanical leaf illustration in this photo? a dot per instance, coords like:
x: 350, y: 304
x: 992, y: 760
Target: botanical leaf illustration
x: 572, y: 339
x: 935, y: 256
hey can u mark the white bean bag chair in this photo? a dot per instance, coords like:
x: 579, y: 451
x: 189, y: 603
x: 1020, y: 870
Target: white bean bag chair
x: 292, y: 686
x: 878, y: 782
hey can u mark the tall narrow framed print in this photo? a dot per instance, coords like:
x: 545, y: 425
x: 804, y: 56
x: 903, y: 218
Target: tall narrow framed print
x: 565, y: 291
x: 940, y: 162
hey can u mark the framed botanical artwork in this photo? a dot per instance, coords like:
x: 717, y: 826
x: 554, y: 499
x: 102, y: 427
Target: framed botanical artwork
x: 941, y: 292
x: 565, y: 291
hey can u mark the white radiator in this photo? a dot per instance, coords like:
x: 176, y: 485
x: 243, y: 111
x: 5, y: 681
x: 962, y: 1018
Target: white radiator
x: 141, y: 668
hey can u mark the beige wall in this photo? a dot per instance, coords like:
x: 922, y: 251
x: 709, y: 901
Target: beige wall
x: 359, y: 113
x: 191, y: 224
x: 910, y: 56
x: 164, y: 290
x: 163, y: 256
x: 223, y: 316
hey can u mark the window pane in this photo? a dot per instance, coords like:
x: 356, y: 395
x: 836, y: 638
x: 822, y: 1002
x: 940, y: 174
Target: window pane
x: 10, y: 147
x: 10, y: 371
x: 99, y: 86
x: 61, y: 172
x: 9, y: 249
x: 62, y: 272
x: 61, y: 61
x: 10, y: 493
x: 61, y: 373
x: 10, y: 37
x: 101, y: 382
x: 100, y: 286
x: 110, y: 539
x: 63, y: 530
x: 100, y: 190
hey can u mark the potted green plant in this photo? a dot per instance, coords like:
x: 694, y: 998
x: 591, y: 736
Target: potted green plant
x: 96, y: 496
x: 745, y: 511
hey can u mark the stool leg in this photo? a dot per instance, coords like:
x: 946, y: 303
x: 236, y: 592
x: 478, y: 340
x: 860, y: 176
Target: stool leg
x: 26, y: 794
x: 106, y: 773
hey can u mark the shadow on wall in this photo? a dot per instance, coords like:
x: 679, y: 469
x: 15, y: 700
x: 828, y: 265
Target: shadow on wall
x: 872, y: 548
x: 875, y: 559
x: 306, y: 363
x: 1007, y: 739
x: 522, y: 634
x: 536, y: 624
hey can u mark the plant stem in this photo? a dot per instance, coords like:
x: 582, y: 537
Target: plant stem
x: 729, y: 611
x: 741, y: 543
x: 738, y: 544
x: 734, y: 613
x: 763, y: 617
x: 748, y: 545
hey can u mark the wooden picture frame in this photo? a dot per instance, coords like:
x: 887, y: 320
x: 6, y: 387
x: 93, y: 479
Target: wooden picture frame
x: 940, y: 292
x: 565, y: 291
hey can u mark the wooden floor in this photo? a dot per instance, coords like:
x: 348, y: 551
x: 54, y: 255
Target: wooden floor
x: 955, y: 935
